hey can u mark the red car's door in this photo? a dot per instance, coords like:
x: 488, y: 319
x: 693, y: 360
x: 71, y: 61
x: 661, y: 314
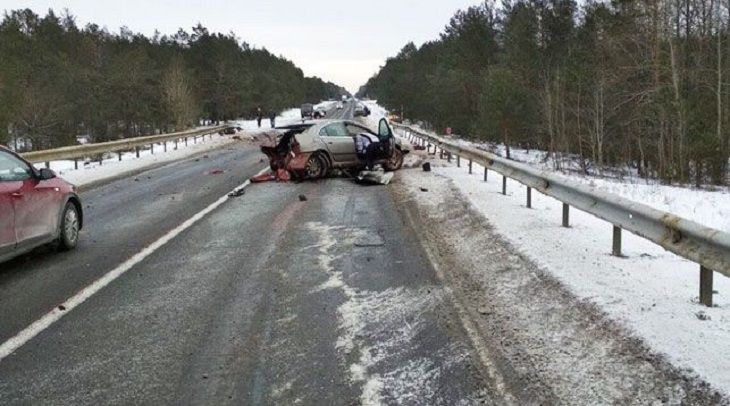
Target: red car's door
x: 7, y: 214
x: 34, y: 201
x: 36, y: 210
x: 10, y: 185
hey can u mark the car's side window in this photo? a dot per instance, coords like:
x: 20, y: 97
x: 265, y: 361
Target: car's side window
x: 334, y: 130
x: 354, y: 130
x: 13, y: 169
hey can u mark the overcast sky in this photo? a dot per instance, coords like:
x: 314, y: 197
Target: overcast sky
x: 340, y: 41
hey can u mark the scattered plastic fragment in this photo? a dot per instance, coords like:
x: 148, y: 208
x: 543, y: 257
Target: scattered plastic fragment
x: 237, y: 192
x: 374, y: 177
x: 281, y: 175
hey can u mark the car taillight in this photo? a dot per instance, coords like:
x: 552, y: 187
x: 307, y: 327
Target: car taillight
x: 295, y: 147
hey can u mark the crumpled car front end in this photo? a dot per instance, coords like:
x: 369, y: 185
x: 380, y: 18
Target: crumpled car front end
x: 286, y: 158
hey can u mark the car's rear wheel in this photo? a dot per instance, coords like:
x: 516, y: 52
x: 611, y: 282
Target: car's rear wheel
x: 68, y: 236
x: 395, y: 162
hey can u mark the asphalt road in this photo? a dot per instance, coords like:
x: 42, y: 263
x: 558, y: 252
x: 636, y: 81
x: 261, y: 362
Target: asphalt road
x: 346, y: 113
x: 121, y: 218
x: 309, y: 293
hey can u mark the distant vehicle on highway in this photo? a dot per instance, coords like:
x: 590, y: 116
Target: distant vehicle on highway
x: 340, y: 106
x: 230, y: 130
x: 361, y: 111
x: 344, y: 98
x: 320, y: 112
x: 36, y: 208
x: 311, y: 150
x: 395, y: 117
x: 307, y: 110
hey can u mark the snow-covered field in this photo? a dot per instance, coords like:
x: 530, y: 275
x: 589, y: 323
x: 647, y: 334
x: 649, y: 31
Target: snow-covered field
x: 709, y: 207
x: 111, y: 167
x: 287, y: 117
x: 652, y: 292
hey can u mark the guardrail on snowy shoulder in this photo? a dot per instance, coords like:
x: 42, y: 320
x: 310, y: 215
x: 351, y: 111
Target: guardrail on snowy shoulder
x: 77, y: 152
x: 704, y: 245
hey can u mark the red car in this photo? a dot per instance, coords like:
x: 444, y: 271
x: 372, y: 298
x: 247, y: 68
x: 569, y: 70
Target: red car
x: 36, y: 208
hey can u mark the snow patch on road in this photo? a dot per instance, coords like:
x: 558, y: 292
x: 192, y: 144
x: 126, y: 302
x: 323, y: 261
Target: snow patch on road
x: 379, y: 326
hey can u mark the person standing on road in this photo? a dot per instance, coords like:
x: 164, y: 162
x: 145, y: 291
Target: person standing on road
x: 259, y: 116
x: 366, y: 147
x: 272, y: 118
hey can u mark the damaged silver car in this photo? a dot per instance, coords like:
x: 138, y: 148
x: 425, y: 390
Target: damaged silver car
x: 311, y: 150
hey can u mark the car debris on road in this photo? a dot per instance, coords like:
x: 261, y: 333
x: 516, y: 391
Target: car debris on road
x: 374, y: 177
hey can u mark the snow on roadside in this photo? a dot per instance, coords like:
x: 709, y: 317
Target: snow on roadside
x: 287, y: 117
x: 291, y: 116
x: 710, y: 208
x: 112, y: 167
x: 652, y: 292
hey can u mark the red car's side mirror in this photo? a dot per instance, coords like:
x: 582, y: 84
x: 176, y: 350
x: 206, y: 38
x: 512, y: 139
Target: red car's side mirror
x: 46, y: 174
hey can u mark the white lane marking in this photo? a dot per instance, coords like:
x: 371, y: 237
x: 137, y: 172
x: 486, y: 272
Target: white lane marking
x: 12, y: 344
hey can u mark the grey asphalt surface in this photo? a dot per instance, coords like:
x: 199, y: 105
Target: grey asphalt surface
x: 346, y: 113
x: 121, y: 219
x: 267, y: 300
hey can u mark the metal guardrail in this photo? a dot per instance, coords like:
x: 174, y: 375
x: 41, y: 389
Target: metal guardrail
x: 87, y: 150
x: 704, y: 245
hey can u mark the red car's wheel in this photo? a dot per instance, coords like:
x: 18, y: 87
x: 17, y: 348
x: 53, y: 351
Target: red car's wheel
x: 68, y: 235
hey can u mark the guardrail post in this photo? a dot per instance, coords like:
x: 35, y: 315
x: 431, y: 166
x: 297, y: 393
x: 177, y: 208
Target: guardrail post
x: 504, y: 185
x: 152, y: 148
x: 186, y: 141
x: 448, y: 156
x: 529, y: 197
x: 48, y: 165
x: 136, y: 151
x: 101, y: 159
x: 616, y: 241
x: 470, y: 167
x: 76, y: 164
x: 566, y: 215
x: 705, y: 286
x: 164, y: 146
x: 120, y: 156
x: 485, y: 173
x: 458, y: 161
x: 195, y: 139
x: 175, y: 144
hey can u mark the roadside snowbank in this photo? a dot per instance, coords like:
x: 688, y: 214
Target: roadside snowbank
x: 287, y: 117
x: 652, y: 292
x: 111, y: 167
x: 710, y: 208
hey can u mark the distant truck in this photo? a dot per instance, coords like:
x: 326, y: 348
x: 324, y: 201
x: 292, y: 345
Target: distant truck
x: 307, y: 110
x: 344, y: 98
